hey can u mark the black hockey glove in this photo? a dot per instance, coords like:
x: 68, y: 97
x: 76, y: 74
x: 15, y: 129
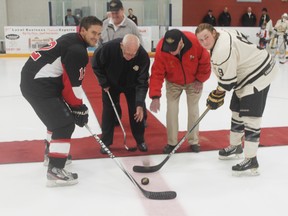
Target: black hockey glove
x: 215, y: 99
x: 80, y: 115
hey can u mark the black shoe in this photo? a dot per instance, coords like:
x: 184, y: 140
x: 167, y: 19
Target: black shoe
x: 195, y: 148
x: 142, y: 147
x: 102, y: 150
x: 168, y: 149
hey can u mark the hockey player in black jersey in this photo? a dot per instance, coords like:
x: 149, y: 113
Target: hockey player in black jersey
x: 247, y: 70
x: 51, y: 81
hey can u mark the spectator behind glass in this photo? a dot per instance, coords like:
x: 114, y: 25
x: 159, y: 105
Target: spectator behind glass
x: 265, y: 18
x: 248, y: 18
x: 71, y: 20
x: 224, y: 18
x: 209, y: 18
x: 132, y: 16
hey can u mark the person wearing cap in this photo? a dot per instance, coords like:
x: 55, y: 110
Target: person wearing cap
x: 117, y: 26
x: 209, y: 18
x: 122, y: 66
x: 184, y: 64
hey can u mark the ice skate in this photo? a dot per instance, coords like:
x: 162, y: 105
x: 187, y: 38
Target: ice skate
x: 57, y: 177
x: 231, y: 152
x: 46, y: 152
x: 248, y: 167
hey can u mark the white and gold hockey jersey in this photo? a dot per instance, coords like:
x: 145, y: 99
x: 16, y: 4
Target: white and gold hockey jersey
x: 240, y: 64
x: 281, y: 26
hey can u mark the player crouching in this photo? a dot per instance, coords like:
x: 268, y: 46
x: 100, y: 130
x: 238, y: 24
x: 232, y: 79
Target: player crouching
x: 242, y: 67
x: 51, y: 81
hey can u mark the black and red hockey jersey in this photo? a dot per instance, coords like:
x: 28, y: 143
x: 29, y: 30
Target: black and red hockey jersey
x: 57, y: 70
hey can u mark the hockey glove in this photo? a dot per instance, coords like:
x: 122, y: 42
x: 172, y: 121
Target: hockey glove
x: 80, y: 115
x: 215, y: 99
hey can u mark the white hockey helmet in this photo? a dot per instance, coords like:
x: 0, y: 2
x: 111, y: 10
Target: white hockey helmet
x: 285, y: 16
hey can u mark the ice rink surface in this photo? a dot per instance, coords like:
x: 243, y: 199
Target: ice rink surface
x: 204, y: 184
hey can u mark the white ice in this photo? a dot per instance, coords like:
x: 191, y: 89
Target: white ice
x: 204, y: 185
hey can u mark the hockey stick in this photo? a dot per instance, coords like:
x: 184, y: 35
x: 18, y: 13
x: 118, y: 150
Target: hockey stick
x: 163, y: 195
x: 120, y: 123
x: 148, y: 169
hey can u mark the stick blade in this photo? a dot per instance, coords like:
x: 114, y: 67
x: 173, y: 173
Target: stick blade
x: 165, y: 195
x: 149, y: 169
x: 146, y: 169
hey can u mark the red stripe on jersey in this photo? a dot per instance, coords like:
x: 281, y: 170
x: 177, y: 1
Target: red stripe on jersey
x: 67, y: 91
x: 61, y: 141
x: 57, y: 155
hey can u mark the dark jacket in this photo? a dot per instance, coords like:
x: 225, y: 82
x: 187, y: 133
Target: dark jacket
x: 56, y: 69
x: 113, y: 70
x: 264, y: 19
x: 224, y: 19
x: 209, y: 19
x: 248, y: 21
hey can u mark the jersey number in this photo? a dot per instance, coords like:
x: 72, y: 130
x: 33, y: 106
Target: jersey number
x: 36, y: 55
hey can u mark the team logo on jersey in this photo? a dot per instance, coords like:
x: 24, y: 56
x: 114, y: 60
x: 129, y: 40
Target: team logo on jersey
x: 191, y: 57
x: 81, y: 73
x: 136, y: 68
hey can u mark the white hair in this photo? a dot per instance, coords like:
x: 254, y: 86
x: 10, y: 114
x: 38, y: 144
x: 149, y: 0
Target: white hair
x: 131, y: 39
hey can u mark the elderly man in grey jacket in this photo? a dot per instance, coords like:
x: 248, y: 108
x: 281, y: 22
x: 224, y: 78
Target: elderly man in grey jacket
x: 118, y: 25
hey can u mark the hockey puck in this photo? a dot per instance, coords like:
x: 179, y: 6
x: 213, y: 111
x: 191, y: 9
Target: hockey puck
x: 144, y: 181
x: 146, y: 163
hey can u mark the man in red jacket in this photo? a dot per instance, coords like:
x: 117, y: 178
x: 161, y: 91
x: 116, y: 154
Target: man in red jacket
x: 184, y: 65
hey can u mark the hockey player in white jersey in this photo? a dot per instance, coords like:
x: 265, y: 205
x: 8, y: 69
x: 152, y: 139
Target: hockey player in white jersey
x: 248, y: 70
x: 279, y: 39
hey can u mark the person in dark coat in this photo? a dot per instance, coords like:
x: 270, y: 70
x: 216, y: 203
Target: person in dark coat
x: 248, y: 19
x: 209, y: 18
x: 122, y: 66
x: 265, y: 18
x: 224, y: 18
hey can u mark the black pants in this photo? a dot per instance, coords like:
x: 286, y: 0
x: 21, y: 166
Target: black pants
x: 55, y: 115
x: 108, y: 116
x: 250, y: 105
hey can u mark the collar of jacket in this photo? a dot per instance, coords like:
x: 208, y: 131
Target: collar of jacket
x: 123, y: 23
